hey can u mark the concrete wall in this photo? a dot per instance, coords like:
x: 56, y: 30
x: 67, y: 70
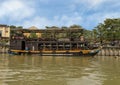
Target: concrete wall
x: 109, y: 51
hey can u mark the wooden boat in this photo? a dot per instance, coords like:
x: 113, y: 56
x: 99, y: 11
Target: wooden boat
x: 21, y: 45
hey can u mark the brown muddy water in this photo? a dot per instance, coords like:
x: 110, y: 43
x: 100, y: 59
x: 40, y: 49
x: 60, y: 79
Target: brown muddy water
x: 59, y: 70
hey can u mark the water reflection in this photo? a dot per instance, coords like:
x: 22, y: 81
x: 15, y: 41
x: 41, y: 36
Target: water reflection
x: 51, y: 70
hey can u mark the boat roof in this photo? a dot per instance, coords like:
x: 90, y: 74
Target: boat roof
x: 47, y: 30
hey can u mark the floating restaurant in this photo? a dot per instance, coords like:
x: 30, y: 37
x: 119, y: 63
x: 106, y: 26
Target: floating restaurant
x: 51, y: 42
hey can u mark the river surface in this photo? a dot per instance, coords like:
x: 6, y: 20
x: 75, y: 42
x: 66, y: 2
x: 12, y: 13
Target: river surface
x: 59, y: 70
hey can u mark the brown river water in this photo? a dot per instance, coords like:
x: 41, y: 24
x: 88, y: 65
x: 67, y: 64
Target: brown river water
x: 59, y: 70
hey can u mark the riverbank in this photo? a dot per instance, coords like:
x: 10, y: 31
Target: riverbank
x: 109, y: 51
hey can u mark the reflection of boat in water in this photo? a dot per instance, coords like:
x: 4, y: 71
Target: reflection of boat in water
x: 22, y: 45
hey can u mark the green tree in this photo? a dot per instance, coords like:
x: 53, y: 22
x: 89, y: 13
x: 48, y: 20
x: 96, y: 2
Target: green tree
x: 64, y: 27
x: 19, y: 27
x: 74, y: 34
x: 75, y: 26
x: 100, y: 32
x: 33, y: 35
x: 88, y: 35
x: 12, y: 27
x: 113, y: 28
x: 109, y: 30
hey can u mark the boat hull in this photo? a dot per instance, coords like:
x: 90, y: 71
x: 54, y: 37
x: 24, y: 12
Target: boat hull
x: 57, y: 53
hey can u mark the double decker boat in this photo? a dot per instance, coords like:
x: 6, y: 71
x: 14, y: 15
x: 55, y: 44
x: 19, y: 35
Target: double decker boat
x: 50, y: 43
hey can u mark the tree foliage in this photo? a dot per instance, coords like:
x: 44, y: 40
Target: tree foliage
x: 109, y: 30
x: 33, y: 35
x: 64, y: 34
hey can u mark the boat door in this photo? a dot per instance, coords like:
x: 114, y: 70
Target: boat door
x: 23, y: 45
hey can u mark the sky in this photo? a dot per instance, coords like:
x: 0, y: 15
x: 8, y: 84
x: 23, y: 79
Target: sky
x: 41, y: 13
